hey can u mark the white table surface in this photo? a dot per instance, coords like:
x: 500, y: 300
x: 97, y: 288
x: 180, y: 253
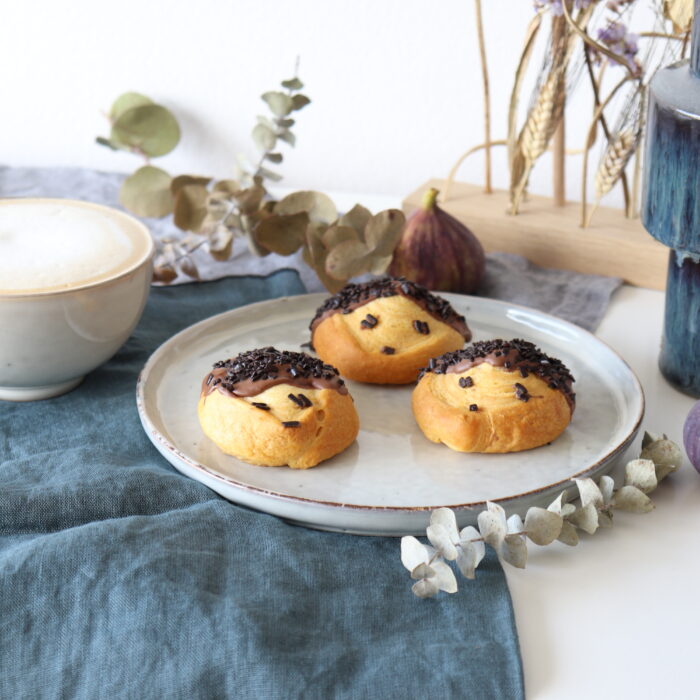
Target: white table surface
x: 618, y: 615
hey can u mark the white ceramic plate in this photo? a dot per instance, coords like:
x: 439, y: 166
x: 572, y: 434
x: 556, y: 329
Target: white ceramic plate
x: 390, y: 479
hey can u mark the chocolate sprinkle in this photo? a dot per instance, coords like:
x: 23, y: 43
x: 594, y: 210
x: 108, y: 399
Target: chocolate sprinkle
x: 271, y: 365
x: 421, y: 327
x: 262, y: 406
x: 300, y: 400
x: 521, y: 392
x: 466, y: 382
x: 473, y: 407
x: 354, y: 295
x: 291, y: 423
x: 369, y: 321
x: 388, y: 350
x: 521, y: 355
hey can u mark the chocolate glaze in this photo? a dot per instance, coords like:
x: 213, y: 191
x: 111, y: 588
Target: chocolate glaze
x: 510, y: 355
x: 352, y: 296
x: 252, y: 372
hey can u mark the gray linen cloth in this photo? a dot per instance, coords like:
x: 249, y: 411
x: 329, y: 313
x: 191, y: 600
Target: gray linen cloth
x: 581, y: 299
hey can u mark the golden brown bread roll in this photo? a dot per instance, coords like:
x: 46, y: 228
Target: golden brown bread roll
x: 273, y: 408
x: 494, y: 396
x: 384, y: 331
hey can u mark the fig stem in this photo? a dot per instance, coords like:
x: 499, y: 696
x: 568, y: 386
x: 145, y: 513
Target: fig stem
x: 430, y: 199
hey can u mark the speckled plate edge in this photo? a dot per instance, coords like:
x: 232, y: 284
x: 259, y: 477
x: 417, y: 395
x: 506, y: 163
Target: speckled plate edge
x: 356, y: 518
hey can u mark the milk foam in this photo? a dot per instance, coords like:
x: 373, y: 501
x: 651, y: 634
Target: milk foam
x: 58, y: 245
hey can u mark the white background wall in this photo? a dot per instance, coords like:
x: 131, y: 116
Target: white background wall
x: 395, y: 84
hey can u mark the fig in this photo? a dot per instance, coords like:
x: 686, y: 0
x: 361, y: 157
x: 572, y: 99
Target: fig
x: 438, y: 251
x: 691, y: 435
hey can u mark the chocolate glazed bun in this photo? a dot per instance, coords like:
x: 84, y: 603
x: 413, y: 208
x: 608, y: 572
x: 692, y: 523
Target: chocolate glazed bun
x: 384, y: 331
x: 271, y: 408
x: 494, y: 396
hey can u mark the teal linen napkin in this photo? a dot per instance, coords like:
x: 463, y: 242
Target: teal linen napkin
x: 121, y: 578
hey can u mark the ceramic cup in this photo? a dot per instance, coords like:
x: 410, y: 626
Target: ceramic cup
x: 51, y: 338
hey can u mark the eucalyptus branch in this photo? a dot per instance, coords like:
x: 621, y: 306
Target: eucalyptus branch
x: 560, y: 521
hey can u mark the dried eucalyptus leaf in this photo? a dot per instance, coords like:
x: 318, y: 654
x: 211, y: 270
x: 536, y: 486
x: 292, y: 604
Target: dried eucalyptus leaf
x: 280, y: 103
x: 648, y: 439
x: 425, y: 588
x: 317, y: 205
x: 468, y: 558
x: 286, y: 123
x: 346, y: 260
x: 642, y: 474
x: 233, y: 222
x: 513, y: 550
x: 413, y: 552
x: 356, y: 218
x: 589, y: 492
x: 439, y: 537
x: 585, y: 518
x: 607, y: 488
x: 164, y: 274
x: 147, y: 192
x: 556, y: 505
x: 182, y: 180
x: 567, y: 509
x: 263, y: 137
x: 269, y: 174
x: 283, y: 235
x: 605, y: 518
x: 383, y: 231
x: 288, y: 137
x: 378, y: 264
x: 543, y: 526
x: 665, y: 454
x: 515, y: 525
x: 423, y: 570
x: 337, y: 234
x: 188, y: 267
x: 492, y: 526
x: 568, y: 535
x: 127, y: 101
x: 444, y: 577
x: 227, y: 186
x: 266, y: 121
x: 150, y: 128
x: 249, y: 199
x: 221, y: 243
x: 632, y: 500
x: 102, y: 141
x: 190, y: 207
x: 274, y: 157
x: 292, y: 84
x: 300, y: 101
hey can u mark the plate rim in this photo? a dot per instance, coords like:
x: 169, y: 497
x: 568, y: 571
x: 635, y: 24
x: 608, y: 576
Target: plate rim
x: 157, y: 438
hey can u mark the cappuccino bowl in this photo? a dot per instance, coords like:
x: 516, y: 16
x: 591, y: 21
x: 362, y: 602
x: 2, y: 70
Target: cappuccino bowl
x: 74, y: 280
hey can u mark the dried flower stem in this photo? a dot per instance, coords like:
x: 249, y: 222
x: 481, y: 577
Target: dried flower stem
x: 453, y: 171
x: 487, y: 106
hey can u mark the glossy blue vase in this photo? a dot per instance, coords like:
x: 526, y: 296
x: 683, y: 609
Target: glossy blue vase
x: 671, y: 208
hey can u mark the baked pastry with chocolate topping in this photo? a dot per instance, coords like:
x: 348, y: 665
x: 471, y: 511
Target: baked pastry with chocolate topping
x: 272, y: 407
x: 494, y: 396
x: 384, y: 331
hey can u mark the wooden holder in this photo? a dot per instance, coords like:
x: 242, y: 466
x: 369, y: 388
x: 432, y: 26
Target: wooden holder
x: 551, y: 236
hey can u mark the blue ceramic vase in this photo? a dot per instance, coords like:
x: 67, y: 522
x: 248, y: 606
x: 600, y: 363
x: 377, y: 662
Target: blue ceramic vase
x: 671, y: 208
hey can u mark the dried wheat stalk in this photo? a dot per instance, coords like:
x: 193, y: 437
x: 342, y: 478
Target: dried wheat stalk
x: 617, y: 154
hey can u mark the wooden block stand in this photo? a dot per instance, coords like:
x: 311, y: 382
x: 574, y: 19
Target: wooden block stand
x: 550, y: 236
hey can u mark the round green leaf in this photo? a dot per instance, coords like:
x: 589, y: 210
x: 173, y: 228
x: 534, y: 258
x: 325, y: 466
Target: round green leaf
x: 280, y: 104
x: 128, y: 101
x: 317, y: 205
x: 150, y: 128
x: 293, y: 84
x: 264, y: 138
x: 147, y: 192
x: 300, y: 101
x: 283, y: 235
x: 190, y: 207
